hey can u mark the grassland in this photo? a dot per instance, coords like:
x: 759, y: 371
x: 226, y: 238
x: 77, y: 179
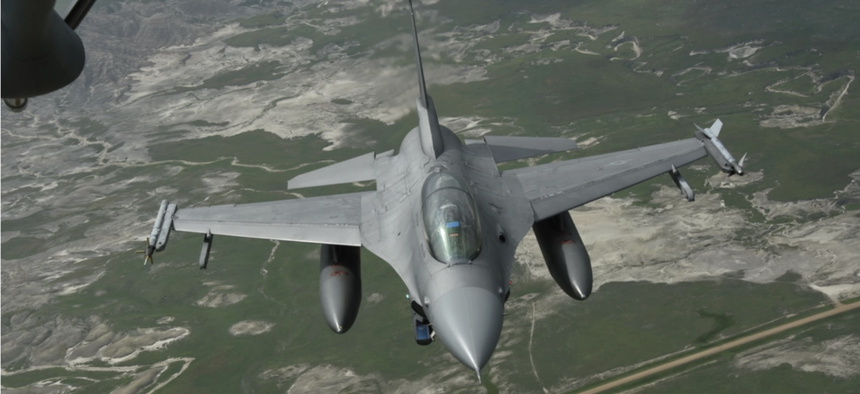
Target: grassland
x: 624, y: 323
x: 721, y: 374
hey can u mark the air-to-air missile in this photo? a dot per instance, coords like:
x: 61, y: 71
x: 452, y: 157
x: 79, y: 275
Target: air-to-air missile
x: 718, y: 151
x: 157, y: 240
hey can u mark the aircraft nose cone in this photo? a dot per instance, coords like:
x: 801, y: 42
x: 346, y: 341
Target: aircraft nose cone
x: 468, y: 321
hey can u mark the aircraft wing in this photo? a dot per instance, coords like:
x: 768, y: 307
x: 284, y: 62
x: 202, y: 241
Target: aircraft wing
x: 557, y: 187
x: 330, y: 220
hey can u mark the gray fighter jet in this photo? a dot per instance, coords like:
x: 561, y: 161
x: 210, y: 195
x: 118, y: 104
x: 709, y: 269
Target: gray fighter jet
x: 447, y: 220
x: 41, y: 51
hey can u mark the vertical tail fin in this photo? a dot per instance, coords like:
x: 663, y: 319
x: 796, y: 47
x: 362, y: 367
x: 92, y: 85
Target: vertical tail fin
x: 428, y: 122
x: 422, y: 88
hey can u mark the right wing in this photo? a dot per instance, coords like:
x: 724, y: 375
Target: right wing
x: 557, y: 187
x: 330, y: 220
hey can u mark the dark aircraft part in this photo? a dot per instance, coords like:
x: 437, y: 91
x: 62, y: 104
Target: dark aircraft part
x: 147, y: 253
x: 565, y: 255
x: 78, y: 12
x: 340, y: 285
x: 682, y: 184
x: 16, y: 104
x: 204, y: 251
x: 423, y: 330
x: 418, y: 309
x: 41, y: 53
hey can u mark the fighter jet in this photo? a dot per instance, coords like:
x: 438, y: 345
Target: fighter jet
x: 447, y: 220
x: 41, y: 51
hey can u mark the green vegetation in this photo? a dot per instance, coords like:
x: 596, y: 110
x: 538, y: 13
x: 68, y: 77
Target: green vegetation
x: 628, y: 323
x: 19, y: 247
x: 711, y: 377
x: 281, y: 36
x: 257, y: 21
x: 203, y: 123
x: 253, y: 147
x: 722, y: 321
x: 502, y: 41
x: 263, y: 71
x: 801, y: 84
x: 27, y: 378
x: 271, y: 36
x: 790, y: 277
x: 682, y: 354
x: 623, y: 323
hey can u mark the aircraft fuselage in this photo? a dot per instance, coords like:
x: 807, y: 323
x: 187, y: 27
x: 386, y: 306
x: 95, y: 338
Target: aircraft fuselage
x: 463, y: 300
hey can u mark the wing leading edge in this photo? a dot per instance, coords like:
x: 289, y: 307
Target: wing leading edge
x: 330, y: 220
x: 557, y: 187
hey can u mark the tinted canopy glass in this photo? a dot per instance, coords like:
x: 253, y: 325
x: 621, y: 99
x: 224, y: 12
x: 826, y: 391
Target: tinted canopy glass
x: 450, y: 219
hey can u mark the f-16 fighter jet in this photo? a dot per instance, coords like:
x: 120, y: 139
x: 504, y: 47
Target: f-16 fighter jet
x: 447, y: 220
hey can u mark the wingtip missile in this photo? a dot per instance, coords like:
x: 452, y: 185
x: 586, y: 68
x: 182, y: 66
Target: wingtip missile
x: 718, y: 151
x: 157, y: 239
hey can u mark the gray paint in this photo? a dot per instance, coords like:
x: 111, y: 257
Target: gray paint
x: 557, y: 187
x: 505, y: 148
x: 464, y: 301
x: 329, y: 219
x: 340, y: 285
x: 203, y: 262
x: 357, y: 169
x: 565, y: 255
x: 164, y: 232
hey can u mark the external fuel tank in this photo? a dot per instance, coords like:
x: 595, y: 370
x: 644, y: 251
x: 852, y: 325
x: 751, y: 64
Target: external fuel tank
x: 565, y: 254
x: 340, y: 285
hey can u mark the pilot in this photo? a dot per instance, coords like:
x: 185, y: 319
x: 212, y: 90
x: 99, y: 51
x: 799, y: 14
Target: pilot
x: 456, y: 239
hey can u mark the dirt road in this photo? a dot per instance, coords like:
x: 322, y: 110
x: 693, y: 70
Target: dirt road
x: 840, y: 308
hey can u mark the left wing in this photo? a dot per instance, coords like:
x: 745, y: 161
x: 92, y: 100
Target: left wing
x: 557, y: 187
x: 330, y: 220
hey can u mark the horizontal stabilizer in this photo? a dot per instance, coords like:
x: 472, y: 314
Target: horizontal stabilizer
x: 514, y: 148
x: 357, y: 169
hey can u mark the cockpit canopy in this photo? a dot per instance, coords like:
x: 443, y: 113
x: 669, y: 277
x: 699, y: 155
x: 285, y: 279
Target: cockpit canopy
x: 450, y: 219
